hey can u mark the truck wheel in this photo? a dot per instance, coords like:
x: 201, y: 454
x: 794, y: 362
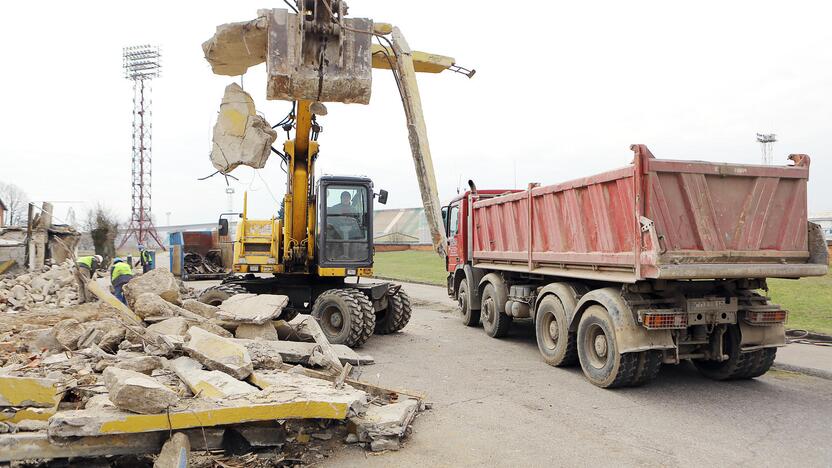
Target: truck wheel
x: 649, y: 364
x: 346, y: 316
x: 396, y: 316
x: 600, y: 360
x: 494, y: 323
x: 739, y: 365
x: 216, y: 295
x: 556, y: 343
x: 469, y: 317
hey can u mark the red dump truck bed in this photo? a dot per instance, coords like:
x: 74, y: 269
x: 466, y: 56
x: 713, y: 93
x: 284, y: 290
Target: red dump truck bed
x: 655, y: 219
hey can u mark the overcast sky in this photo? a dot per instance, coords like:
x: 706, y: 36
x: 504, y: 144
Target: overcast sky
x: 562, y: 89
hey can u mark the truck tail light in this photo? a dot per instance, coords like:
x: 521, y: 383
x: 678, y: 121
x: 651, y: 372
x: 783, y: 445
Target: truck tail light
x: 765, y: 317
x: 663, y: 320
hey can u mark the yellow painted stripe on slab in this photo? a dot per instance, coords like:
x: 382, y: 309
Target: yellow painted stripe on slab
x: 423, y: 62
x: 219, y: 416
x: 37, y: 414
x: 29, y: 391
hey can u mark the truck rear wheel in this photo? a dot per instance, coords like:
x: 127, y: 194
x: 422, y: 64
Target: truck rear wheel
x: 598, y: 353
x: 346, y: 316
x: 396, y: 316
x: 556, y: 343
x: 495, y: 323
x: 469, y: 317
x: 216, y: 295
x: 739, y: 365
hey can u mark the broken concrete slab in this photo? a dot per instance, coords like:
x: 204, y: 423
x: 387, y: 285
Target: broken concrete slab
x: 68, y: 332
x: 151, y: 305
x: 175, y: 453
x: 172, y: 326
x: 253, y: 331
x: 199, y: 308
x: 32, y: 425
x: 291, y: 397
x: 383, y: 426
x: 141, y: 364
x: 136, y: 392
x: 212, y: 328
x: 29, y: 391
x: 237, y: 46
x: 160, y: 282
x: 218, y: 353
x: 252, y: 308
x: 241, y: 137
x: 208, y: 384
x: 297, y: 352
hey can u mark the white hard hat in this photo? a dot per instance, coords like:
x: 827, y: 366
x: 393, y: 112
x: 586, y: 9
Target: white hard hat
x: 98, y: 258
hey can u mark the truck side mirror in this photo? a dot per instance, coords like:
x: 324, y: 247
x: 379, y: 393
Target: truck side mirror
x: 223, y: 227
x: 382, y: 197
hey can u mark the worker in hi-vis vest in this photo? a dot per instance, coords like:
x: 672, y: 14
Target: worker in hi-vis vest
x: 120, y: 274
x: 86, y: 266
x: 145, y: 259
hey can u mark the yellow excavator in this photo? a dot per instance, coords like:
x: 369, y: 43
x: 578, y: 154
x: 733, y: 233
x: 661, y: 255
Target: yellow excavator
x: 323, y: 232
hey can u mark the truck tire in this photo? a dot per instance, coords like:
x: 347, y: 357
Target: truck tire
x: 469, y: 317
x: 495, y: 323
x: 216, y: 295
x: 739, y: 365
x: 396, y: 316
x: 346, y: 316
x: 598, y: 353
x: 556, y: 343
x: 649, y: 364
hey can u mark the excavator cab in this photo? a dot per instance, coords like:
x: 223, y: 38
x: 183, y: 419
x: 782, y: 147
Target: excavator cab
x: 345, y: 226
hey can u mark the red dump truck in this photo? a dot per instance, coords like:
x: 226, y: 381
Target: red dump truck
x: 649, y: 264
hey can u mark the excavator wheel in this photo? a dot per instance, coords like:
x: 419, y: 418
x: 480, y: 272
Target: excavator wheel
x: 215, y: 295
x: 396, y: 315
x: 346, y: 316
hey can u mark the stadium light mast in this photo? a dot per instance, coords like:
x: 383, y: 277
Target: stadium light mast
x: 766, y: 141
x: 141, y: 65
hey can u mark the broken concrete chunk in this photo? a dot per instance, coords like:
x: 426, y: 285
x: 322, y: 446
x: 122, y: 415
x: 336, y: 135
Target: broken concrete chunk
x: 175, y: 452
x: 150, y: 305
x: 237, y: 46
x: 29, y: 391
x: 241, y: 137
x: 141, y: 364
x: 68, y: 332
x: 32, y: 425
x: 160, y: 282
x: 296, y: 352
x: 172, y: 326
x: 383, y: 426
x: 213, y: 328
x: 199, y: 308
x: 251, y: 331
x: 208, y: 384
x: 136, y: 392
x: 252, y: 308
x: 218, y: 353
x: 263, y: 357
x: 111, y: 339
x: 100, y: 401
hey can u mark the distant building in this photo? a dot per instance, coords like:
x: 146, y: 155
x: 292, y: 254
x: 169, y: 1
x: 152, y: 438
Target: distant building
x: 2, y: 212
x: 407, y: 226
x: 825, y: 222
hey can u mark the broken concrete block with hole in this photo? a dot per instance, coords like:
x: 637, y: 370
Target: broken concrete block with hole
x: 29, y: 391
x: 383, y: 426
x: 160, y: 282
x: 241, y: 137
x: 252, y: 331
x: 199, y: 308
x: 237, y: 46
x: 218, y: 353
x: 136, y: 392
x: 175, y: 453
x: 173, y: 326
x: 208, y: 384
x: 252, y: 308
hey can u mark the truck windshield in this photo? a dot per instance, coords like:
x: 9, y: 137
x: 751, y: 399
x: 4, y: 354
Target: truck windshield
x: 346, y: 224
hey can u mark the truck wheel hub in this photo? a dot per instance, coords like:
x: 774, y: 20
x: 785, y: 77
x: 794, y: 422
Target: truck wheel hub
x: 553, y: 331
x: 601, y: 346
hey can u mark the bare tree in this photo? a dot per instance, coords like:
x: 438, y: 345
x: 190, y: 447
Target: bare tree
x: 102, y: 225
x: 16, y: 202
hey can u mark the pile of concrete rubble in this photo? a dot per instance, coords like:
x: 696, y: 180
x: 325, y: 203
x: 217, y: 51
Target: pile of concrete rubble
x: 52, y: 286
x: 169, y: 376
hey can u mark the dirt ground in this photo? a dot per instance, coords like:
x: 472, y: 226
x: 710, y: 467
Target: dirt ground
x: 497, y: 404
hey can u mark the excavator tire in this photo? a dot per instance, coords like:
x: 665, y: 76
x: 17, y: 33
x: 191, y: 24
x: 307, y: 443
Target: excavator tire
x: 216, y: 295
x: 346, y: 316
x: 396, y: 316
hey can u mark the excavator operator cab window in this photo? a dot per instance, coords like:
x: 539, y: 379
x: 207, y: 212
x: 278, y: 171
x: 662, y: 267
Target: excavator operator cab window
x: 346, y: 223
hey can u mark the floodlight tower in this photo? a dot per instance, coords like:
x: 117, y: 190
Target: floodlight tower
x: 766, y: 141
x: 142, y: 64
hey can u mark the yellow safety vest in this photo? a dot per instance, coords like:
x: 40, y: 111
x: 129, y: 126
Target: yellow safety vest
x: 120, y: 269
x: 86, y: 261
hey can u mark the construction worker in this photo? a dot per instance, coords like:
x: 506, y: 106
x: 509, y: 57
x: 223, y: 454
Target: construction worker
x: 145, y: 259
x: 85, y: 267
x: 120, y: 274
